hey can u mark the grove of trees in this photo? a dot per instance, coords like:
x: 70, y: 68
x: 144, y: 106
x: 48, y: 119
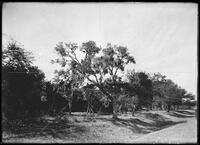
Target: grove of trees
x: 90, y: 83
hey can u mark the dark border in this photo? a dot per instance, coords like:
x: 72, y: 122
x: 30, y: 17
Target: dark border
x: 106, y: 1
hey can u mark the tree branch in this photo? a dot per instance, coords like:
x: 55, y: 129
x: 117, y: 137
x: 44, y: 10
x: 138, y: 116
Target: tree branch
x: 91, y: 80
x: 116, y: 71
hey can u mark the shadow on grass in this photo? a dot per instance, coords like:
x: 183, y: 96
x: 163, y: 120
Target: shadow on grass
x: 158, y: 122
x: 61, y: 130
x: 149, y: 122
x: 192, y: 112
x: 180, y: 115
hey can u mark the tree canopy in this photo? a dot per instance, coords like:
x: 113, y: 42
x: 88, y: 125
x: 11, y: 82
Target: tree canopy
x: 23, y: 82
x: 97, y: 65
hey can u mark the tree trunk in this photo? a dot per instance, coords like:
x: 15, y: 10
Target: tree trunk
x: 120, y: 109
x: 70, y: 106
x: 168, y: 108
x: 4, y: 120
x: 115, y: 107
x: 114, y: 103
x: 70, y: 100
x: 133, y: 110
x: 149, y: 107
x: 163, y: 107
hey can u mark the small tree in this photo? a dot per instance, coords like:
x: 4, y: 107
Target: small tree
x: 189, y: 100
x: 170, y: 92
x: 142, y: 85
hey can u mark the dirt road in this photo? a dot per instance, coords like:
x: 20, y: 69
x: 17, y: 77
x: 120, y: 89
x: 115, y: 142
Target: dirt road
x: 181, y: 133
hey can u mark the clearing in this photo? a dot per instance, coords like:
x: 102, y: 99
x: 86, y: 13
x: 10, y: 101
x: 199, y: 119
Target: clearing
x: 145, y: 126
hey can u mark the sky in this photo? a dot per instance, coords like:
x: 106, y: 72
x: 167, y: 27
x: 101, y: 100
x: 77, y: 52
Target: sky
x: 162, y: 37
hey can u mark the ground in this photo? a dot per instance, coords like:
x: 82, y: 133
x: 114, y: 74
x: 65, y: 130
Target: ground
x: 145, y: 127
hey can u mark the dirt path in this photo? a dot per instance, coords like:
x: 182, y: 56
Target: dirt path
x: 127, y: 129
x: 181, y: 133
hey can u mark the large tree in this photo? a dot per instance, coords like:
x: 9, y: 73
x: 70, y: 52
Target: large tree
x: 95, y: 67
x: 22, y: 82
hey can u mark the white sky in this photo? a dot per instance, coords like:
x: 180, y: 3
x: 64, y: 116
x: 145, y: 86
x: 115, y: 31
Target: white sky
x: 161, y: 36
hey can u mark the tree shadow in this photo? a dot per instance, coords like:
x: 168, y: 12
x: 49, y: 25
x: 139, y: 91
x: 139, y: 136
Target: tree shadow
x: 180, y: 115
x: 64, y: 129
x: 155, y: 117
x: 61, y: 130
x: 136, y: 125
x: 186, y: 112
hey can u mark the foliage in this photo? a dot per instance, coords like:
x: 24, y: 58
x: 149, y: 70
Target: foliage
x: 142, y: 85
x: 22, y: 82
x: 25, y: 94
x: 189, y: 100
x: 189, y: 96
x: 170, y: 92
x: 97, y: 65
x: 16, y: 57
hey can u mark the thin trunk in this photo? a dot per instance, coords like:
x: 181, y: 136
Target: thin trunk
x: 70, y: 106
x: 133, y: 110
x: 168, y: 108
x: 70, y: 98
x: 115, y: 110
x: 163, y: 107
x: 70, y: 102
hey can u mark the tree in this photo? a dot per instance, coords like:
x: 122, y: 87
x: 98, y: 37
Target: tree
x: 22, y: 82
x: 96, y: 65
x: 142, y: 86
x: 189, y: 100
x: 34, y: 90
x: 170, y: 93
x: 189, y: 96
x: 16, y: 57
x: 68, y: 82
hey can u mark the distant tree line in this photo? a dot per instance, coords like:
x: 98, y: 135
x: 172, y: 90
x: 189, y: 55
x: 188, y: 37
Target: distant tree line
x: 89, y: 84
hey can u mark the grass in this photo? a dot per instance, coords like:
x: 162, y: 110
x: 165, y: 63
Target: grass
x: 103, y: 129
